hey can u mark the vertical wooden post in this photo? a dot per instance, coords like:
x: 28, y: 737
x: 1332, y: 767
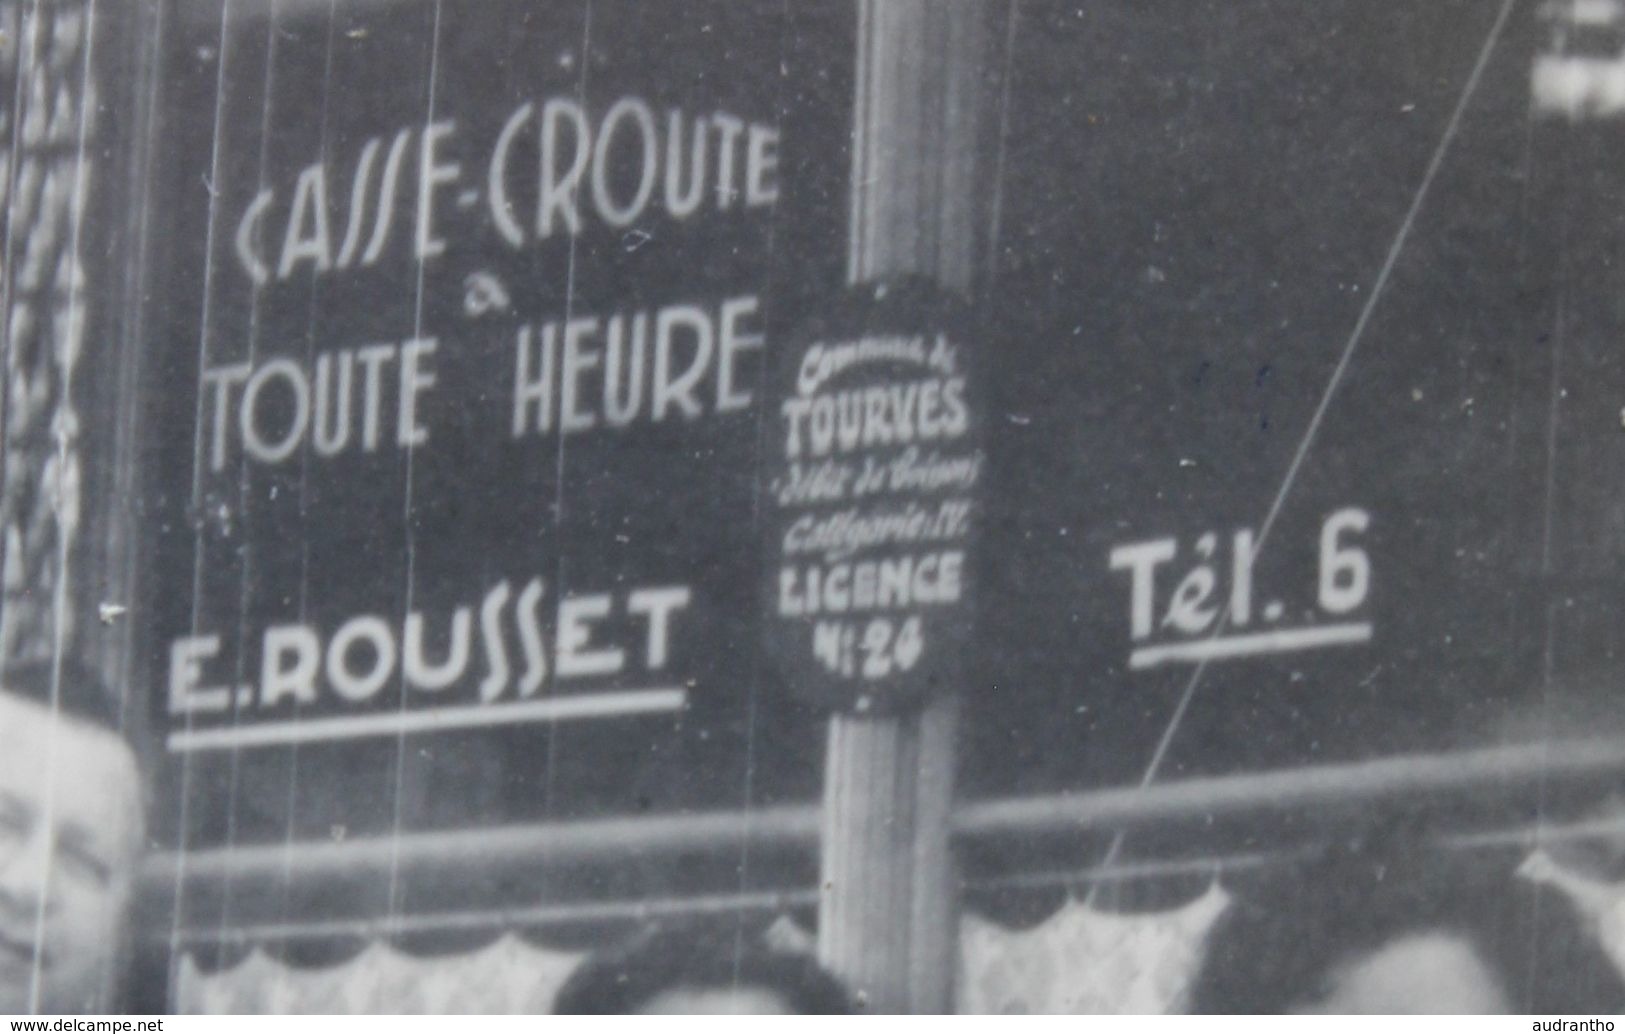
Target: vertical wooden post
x: 887, y: 916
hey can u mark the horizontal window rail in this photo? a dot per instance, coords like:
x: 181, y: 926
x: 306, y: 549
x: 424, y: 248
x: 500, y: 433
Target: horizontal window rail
x: 774, y: 902
x: 587, y: 840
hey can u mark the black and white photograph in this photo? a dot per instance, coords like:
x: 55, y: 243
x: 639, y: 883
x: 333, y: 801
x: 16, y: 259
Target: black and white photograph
x: 829, y: 507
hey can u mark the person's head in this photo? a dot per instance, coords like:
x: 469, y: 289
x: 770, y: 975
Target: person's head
x: 71, y: 829
x: 701, y: 972
x: 1358, y: 934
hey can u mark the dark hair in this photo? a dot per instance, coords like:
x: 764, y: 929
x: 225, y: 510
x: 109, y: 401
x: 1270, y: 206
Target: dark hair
x: 625, y: 981
x: 66, y: 687
x: 1284, y: 946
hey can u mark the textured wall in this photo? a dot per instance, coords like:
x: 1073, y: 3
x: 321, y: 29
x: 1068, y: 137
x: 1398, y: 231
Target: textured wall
x: 47, y: 130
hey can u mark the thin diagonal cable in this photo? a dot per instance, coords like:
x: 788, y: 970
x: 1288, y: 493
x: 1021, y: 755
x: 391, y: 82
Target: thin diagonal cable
x: 1384, y: 274
x: 1007, y: 73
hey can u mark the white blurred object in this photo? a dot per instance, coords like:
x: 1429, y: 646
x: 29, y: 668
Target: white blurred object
x: 1587, y: 12
x: 1601, y: 904
x: 1081, y: 960
x: 508, y: 976
x: 1581, y: 74
x: 1579, y: 88
x: 787, y: 935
